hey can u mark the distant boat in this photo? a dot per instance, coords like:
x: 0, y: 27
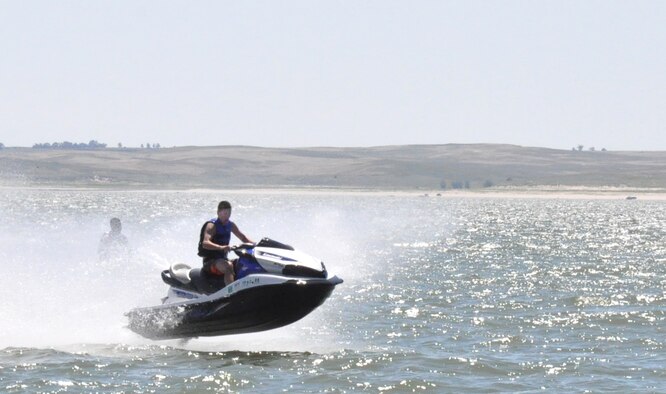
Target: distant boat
x: 631, y: 197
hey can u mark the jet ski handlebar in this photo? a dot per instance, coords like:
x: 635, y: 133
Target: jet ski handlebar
x: 241, y: 249
x: 265, y: 242
x: 246, y: 245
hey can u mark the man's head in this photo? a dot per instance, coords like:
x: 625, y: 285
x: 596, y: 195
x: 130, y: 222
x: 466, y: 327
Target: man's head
x: 224, y: 211
x: 116, y: 227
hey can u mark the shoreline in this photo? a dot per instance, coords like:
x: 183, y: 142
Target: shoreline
x: 533, y: 192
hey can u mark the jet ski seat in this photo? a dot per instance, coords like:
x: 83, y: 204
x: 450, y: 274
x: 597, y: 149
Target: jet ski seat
x: 204, y: 282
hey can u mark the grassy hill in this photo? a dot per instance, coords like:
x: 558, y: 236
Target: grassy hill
x: 384, y: 167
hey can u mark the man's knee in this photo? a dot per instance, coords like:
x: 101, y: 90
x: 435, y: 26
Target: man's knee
x: 223, y: 265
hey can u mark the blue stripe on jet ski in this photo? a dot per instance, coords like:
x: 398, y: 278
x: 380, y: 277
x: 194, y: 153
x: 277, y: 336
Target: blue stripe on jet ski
x: 276, y: 256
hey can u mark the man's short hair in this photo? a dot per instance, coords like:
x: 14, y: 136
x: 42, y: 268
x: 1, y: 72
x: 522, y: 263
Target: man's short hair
x: 115, y: 224
x: 223, y: 205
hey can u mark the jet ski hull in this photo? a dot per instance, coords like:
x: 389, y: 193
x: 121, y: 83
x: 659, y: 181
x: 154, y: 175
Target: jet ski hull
x: 227, y: 312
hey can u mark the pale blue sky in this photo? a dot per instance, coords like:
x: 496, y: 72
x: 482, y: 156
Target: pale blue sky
x: 334, y: 73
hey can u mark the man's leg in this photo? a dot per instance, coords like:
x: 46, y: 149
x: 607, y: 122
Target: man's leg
x: 226, y: 268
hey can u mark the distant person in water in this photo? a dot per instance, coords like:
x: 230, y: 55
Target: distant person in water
x: 214, y: 243
x: 113, y: 243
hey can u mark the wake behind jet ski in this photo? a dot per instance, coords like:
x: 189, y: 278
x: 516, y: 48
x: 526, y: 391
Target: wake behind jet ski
x: 275, y: 285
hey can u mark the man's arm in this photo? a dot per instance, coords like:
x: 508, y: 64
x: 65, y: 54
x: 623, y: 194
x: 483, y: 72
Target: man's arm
x: 103, y: 243
x: 240, y: 234
x: 209, y: 232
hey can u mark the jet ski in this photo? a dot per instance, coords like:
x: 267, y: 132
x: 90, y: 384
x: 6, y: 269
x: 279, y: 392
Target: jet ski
x: 275, y: 285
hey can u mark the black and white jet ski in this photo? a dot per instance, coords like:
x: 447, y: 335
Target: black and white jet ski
x: 275, y: 285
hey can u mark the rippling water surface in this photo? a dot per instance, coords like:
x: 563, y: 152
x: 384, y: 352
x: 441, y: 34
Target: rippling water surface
x: 440, y: 294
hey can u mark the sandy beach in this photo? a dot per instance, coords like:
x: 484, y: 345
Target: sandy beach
x: 580, y: 193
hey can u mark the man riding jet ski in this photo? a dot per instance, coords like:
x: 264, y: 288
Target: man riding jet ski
x: 214, y: 242
x: 274, y: 285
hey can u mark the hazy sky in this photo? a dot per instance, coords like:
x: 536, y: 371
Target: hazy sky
x: 334, y: 73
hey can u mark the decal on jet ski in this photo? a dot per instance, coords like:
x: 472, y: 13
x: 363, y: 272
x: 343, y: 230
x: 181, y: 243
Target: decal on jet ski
x: 183, y: 294
x: 243, y: 283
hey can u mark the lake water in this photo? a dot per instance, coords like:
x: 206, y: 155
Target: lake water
x: 440, y: 294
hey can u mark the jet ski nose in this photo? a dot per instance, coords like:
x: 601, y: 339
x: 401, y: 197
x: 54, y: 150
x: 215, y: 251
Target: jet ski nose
x: 307, y: 272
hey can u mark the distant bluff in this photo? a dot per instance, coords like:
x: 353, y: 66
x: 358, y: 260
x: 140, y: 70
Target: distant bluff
x: 384, y: 167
